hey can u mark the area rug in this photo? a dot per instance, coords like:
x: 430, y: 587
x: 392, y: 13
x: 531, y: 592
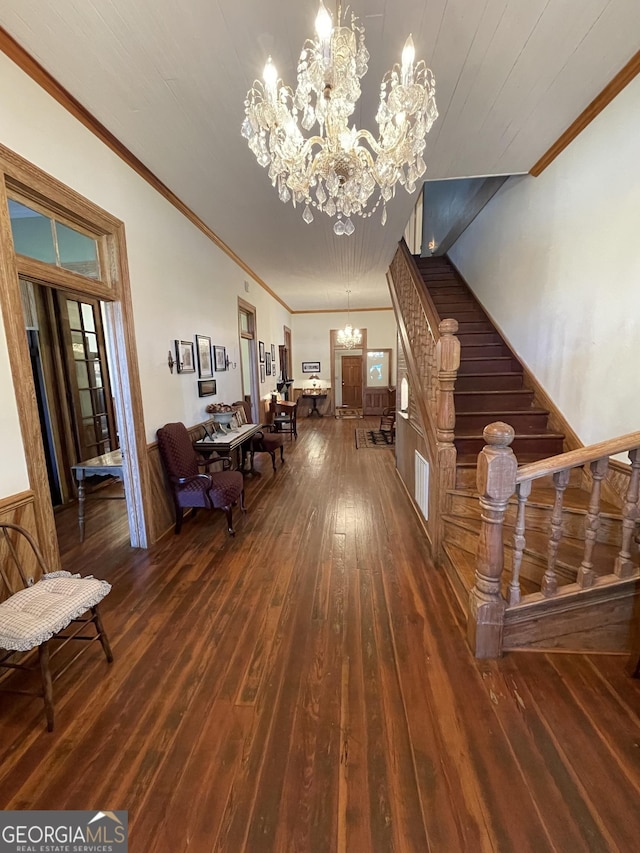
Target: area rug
x: 372, y: 438
x: 346, y: 412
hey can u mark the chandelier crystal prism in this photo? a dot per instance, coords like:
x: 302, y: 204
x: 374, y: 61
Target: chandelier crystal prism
x: 349, y: 337
x: 340, y: 171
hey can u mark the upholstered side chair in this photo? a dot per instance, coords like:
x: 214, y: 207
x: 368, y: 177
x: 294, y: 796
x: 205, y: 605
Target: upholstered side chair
x: 265, y: 441
x: 189, y: 486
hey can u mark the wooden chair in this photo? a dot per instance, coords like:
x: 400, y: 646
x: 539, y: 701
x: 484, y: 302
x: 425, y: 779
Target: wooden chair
x: 388, y: 423
x: 285, y: 418
x: 189, y: 486
x: 265, y: 441
x: 59, y: 607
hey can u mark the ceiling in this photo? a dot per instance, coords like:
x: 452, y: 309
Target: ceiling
x: 169, y: 81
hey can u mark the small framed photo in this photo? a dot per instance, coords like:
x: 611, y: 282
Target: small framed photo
x: 262, y: 373
x: 206, y: 387
x: 267, y: 363
x: 261, y: 350
x: 203, y: 350
x: 219, y: 358
x: 311, y: 367
x: 273, y: 358
x: 185, y: 360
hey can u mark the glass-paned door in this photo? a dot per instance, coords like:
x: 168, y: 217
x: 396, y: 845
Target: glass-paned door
x: 87, y: 370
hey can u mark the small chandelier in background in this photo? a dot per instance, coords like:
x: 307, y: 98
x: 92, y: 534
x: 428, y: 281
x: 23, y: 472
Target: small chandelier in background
x: 341, y: 171
x: 349, y: 337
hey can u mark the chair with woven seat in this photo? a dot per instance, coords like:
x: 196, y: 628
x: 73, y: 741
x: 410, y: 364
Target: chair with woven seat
x: 265, y: 441
x: 285, y: 417
x: 58, y: 606
x: 191, y: 488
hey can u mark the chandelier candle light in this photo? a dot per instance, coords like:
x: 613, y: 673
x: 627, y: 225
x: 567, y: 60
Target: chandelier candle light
x: 341, y: 171
x: 349, y: 337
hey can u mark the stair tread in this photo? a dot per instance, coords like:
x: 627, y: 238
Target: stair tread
x: 532, y: 410
x: 522, y: 391
x: 478, y: 434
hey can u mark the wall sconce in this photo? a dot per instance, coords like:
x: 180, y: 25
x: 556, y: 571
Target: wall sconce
x: 170, y: 361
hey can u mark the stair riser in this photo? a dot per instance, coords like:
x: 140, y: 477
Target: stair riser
x: 470, y: 339
x: 541, y: 446
x: 484, y: 351
x: 461, y: 311
x: 508, y: 401
x: 506, y: 382
x: 488, y: 365
x: 538, y: 519
x: 522, y: 422
x: 460, y: 302
x: 474, y: 326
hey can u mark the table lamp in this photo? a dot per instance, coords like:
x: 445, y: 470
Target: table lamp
x: 314, y: 379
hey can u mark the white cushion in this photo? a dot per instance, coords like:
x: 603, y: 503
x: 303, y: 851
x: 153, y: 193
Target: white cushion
x: 33, y: 615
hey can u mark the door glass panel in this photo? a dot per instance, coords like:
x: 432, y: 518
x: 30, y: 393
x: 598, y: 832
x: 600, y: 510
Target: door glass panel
x: 85, y: 404
x: 77, y: 341
x: 95, y: 374
x: 74, y: 314
x: 244, y: 322
x: 102, y: 427
x: 78, y: 252
x: 92, y: 345
x: 83, y: 374
x: 87, y: 318
x: 98, y: 401
x: 32, y: 233
x: 89, y: 432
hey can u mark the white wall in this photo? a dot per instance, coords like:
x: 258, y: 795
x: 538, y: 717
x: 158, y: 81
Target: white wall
x: 555, y: 260
x: 311, y: 338
x: 181, y: 283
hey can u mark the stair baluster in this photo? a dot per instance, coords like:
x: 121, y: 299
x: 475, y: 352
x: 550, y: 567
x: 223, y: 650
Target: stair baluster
x: 523, y: 490
x: 624, y: 567
x: 586, y: 575
x: 549, y: 580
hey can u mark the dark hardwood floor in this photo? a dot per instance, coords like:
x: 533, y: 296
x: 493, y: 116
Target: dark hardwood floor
x: 307, y: 686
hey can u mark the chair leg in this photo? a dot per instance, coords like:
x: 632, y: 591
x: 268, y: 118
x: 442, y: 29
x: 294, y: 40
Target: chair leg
x: 179, y: 513
x: 242, y: 506
x: 47, y: 686
x: 273, y: 459
x: 104, y: 640
x: 229, y: 513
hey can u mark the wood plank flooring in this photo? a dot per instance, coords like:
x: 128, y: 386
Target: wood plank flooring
x: 307, y: 686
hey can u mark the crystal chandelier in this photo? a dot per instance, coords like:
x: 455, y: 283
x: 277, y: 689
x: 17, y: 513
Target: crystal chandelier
x: 349, y: 337
x: 340, y: 171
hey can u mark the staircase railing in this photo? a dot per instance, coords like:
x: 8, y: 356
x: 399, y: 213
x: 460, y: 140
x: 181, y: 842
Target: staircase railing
x: 432, y: 354
x: 498, y: 479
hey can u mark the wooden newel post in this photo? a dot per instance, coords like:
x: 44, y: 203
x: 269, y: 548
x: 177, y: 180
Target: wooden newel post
x: 447, y: 363
x: 496, y: 480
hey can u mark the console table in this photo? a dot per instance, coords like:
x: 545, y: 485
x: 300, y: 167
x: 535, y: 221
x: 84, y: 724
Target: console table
x: 225, y: 445
x: 107, y: 465
x: 314, y: 396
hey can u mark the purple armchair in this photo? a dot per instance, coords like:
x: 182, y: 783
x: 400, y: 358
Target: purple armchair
x: 189, y: 486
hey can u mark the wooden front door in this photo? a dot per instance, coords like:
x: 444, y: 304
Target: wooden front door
x: 352, y: 381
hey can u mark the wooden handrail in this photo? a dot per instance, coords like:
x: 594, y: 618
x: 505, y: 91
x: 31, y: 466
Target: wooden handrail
x: 429, y: 426
x: 579, y: 457
x: 430, y: 310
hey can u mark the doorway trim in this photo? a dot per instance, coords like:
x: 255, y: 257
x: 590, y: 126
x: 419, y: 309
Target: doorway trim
x: 19, y: 177
x: 333, y: 347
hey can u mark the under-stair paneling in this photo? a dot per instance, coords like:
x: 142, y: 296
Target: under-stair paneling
x: 409, y: 440
x: 602, y: 619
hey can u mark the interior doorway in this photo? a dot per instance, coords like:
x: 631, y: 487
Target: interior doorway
x: 352, y: 381
x: 249, y: 357
x: 354, y: 385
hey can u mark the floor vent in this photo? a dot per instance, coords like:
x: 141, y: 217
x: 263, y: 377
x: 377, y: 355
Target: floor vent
x: 421, y: 484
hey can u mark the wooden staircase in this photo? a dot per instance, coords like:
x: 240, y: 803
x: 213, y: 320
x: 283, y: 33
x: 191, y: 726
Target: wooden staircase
x: 566, y: 577
x: 490, y: 382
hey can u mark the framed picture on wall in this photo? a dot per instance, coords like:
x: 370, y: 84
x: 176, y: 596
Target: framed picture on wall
x: 203, y: 351
x: 206, y: 387
x: 311, y: 367
x: 273, y: 358
x: 220, y: 358
x: 185, y: 360
x: 267, y: 363
x: 261, y: 350
x: 262, y: 373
